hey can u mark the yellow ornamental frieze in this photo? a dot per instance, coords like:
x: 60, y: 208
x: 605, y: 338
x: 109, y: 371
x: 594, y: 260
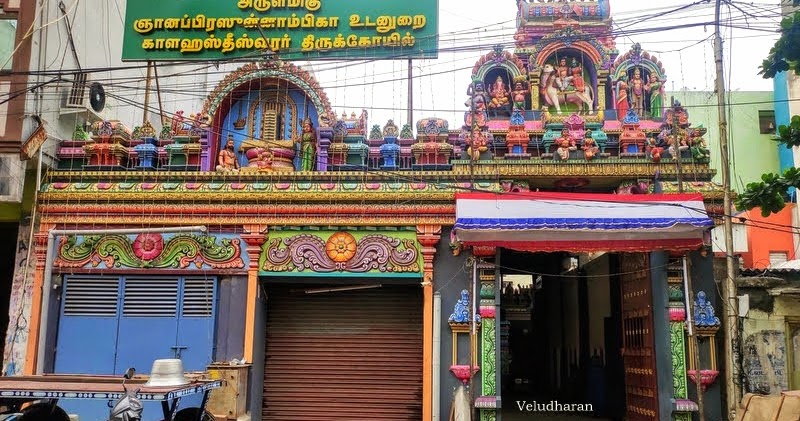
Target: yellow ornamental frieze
x: 259, y: 190
x: 234, y: 220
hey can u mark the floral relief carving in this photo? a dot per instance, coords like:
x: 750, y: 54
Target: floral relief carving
x: 341, y: 252
x: 149, y: 250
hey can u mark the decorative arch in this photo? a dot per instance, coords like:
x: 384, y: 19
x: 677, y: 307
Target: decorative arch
x: 220, y: 101
x: 582, y: 46
x: 569, y: 37
x: 270, y: 70
x: 498, y: 58
x: 637, y: 58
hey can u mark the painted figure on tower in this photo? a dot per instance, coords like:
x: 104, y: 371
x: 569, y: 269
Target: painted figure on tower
x: 558, y: 88
x: 637, y: 92
x: 499, y: 94
x: 577, y: 77
x: 656, y: 89
x: 308, y: 146
x: 564, y: 78
x: 476, y: 102
x: 519, y: 94
x: 226, y: 160
x: 621, y: 97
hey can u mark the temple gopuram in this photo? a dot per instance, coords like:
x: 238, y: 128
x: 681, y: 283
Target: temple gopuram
x: 535, y: 250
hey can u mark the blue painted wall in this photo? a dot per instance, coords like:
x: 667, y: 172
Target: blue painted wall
x: 782, y: 117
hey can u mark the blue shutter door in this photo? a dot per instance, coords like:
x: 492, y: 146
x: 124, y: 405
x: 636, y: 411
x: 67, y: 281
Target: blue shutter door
x: 196, y: 323
x: 87, y: 336
x: 87, y: 328
x: 148, y: 325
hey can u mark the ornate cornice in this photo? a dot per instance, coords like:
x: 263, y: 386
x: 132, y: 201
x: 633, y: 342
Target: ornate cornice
x: 462, y: 172
x: 204, y: 209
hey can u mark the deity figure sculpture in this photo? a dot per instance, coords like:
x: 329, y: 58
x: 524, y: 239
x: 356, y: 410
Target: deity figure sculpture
x: 308, y: 146
x: 637, y: 93
x: 565, y: 145
x: 226, y: 161
x: 177, y: 122
x: 263, y: 161
x: 577, y: 77
x: 589, y: 147
x: 563, y: 76
x: 477, y: 104
x: 655, y: 87
x: 200, y: 120
x: 653, y: 150
x: 563, y: 150
x: 621, y: 95
x: 566, y: 136
x: 499, y: 93
x: 698, y: 147
x: 682, y: 146
x: 478, y: 143
x: 518, y: 94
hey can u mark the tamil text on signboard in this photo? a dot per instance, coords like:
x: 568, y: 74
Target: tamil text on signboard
x: 291, y: 29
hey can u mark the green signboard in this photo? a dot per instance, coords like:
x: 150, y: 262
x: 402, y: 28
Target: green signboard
x: 292, y: 29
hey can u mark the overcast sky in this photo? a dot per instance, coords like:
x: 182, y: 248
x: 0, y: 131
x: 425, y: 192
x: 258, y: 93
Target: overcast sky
x: 440, y: 84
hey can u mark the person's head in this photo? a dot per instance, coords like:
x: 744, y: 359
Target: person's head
x: 229, y: 144
x: 563, y: 62
x: 653, y: 77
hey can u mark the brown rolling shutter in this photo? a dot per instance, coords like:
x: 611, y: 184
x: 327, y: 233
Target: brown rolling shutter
x: 346, y: 355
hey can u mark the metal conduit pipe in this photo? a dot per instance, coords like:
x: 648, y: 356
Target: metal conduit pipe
x: 437, y: 352
x: 48, y: 271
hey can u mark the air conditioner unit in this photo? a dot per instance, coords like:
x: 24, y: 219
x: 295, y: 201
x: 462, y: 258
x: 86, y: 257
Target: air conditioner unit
x: 84, y: 97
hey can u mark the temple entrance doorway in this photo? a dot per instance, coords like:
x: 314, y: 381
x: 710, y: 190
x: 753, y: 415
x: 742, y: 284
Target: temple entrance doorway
x: 561, y: 336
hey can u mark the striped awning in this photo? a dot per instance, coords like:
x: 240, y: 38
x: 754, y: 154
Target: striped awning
x: 575, y: 222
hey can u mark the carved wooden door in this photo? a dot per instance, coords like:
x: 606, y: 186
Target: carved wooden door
x: 638, y: 353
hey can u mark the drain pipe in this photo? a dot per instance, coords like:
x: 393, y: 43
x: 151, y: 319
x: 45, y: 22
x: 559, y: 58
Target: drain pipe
x: 48, y: 271
x: 437, y: 352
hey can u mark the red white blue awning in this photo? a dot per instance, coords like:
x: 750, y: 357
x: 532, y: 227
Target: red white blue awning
x: 577, y: 222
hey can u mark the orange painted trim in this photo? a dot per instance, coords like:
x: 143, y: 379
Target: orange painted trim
x: 31, y: 354
x: 427, y: 352
x: 250, y: 315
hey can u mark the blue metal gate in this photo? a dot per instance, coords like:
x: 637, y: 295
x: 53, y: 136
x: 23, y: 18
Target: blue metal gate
x: 108, y: 324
